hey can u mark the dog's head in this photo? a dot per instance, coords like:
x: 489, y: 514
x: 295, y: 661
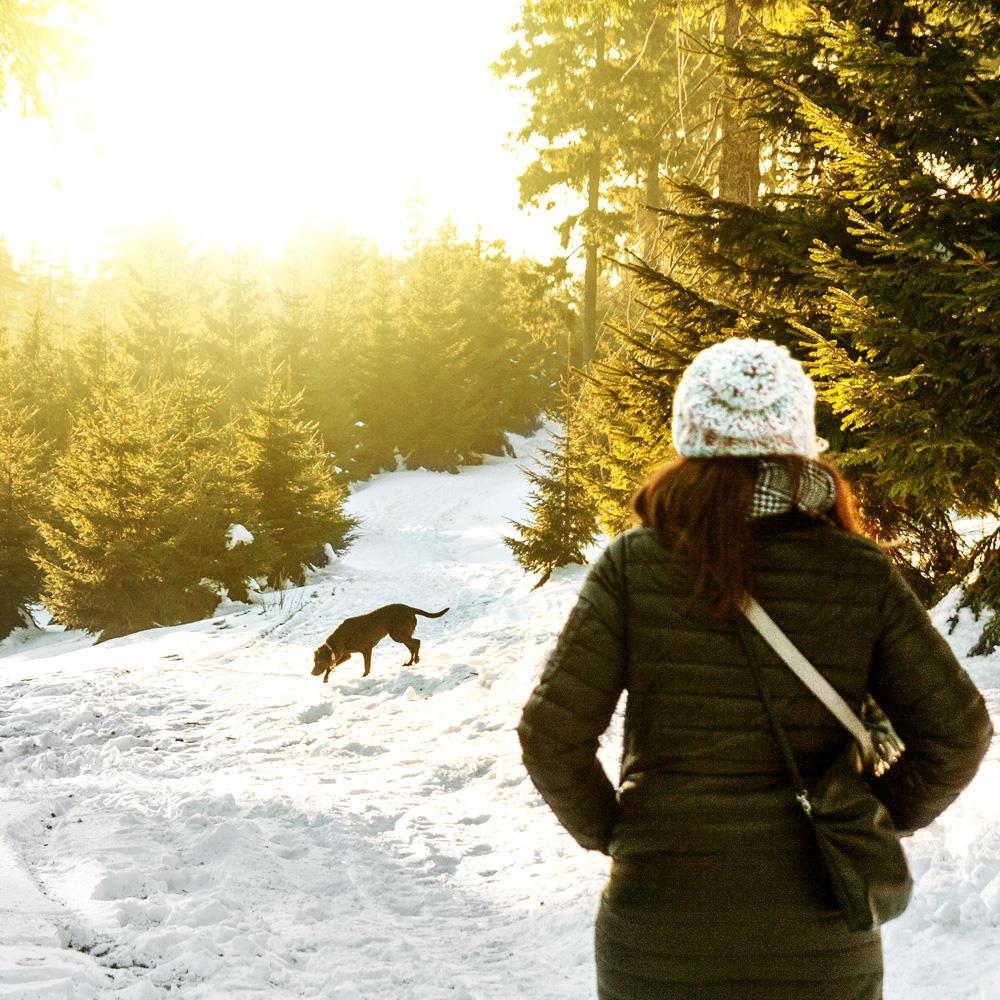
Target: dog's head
x: 323, y: 660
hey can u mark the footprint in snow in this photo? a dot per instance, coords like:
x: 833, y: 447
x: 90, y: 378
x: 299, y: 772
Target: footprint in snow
x: 362, y: 750
x: 316, y: 712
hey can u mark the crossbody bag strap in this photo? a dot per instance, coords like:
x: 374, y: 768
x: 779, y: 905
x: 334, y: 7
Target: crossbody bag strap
x: 798, y: 784
x: 812, y: 678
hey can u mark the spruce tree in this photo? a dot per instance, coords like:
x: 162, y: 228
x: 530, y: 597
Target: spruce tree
x: 471, y: 362
x: 40, y: 356
x: 507, y: 370
x: 235, y: 334
x: 436, y: 346
x: 164, y: 290
x: 562, y: 54
x: 23, y: 491
x: 872, y: 255
x: 212, y: 497
x: 378, y: 372
x: 112, y: 555
x: 294, y: 334
x: 334, y: 385
x: 665, y: 113
x: 289, y: 477
x: 909, y: 353
x: 878, y: 256
x: 563, y: 522
x: 94, y: 353
x: 607, y: 113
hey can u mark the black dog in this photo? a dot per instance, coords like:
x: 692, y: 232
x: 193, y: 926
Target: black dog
x: 361, y: 634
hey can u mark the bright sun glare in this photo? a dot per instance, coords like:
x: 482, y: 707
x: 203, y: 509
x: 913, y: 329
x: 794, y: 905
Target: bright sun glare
x: 242, y: 120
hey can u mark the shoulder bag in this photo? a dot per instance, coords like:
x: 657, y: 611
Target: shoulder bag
x: 864, y: 860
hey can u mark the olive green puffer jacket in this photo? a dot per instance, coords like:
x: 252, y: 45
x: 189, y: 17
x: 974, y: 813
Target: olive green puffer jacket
x: 700, y: 769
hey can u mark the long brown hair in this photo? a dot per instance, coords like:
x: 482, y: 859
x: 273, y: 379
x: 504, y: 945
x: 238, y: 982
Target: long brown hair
x: 700, y: 507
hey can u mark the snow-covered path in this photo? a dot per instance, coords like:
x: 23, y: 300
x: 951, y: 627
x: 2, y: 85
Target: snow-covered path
x: 188, y: 813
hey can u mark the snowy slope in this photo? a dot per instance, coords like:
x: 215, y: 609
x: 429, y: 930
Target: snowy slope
x: 188, y: 813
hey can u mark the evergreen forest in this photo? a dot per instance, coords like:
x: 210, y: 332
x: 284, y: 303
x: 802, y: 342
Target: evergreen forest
x: 824, y: 174
x: 186, y: 424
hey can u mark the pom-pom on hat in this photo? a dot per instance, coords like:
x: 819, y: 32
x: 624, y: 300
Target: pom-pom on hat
x: 745, y: 397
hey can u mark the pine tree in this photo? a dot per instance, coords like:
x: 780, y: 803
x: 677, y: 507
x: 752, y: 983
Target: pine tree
x: 22, y: 502
x: 295, y: 334
x: 473, y: 358
x: 909, y: 354
x: 666, y: 112
x: 212, y: 497
x: 507, y: 370
x: 731, y: 268
x: 623, y: 404
x: 436, y: 345
x: 878, y: 256
x: 619, y: 95
x: 113, y: 556
x: 235, y: 332
x: 739, y: 154
x: 562, y: 55
x: 563, y: 523
x: 288, y: 476
x: 40, y: 351
x: 380, y: 377
x: 874, y: 254
x: 165, y: 291
x: 346, y: 288
x: 94, y: 353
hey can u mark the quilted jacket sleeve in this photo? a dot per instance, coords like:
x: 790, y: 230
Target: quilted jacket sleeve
x: 573, y: 704
x: 934, y: 706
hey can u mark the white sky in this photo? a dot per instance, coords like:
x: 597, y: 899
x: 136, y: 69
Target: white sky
x: 243, y: 119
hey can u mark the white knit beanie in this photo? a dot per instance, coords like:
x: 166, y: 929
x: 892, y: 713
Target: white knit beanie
x: 745, y: 397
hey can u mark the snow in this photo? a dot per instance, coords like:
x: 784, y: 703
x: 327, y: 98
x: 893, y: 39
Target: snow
x: 238, y: 534
x: 188, y: 813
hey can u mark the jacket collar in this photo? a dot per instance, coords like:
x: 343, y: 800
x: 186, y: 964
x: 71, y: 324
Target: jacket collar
x: 794, y: 520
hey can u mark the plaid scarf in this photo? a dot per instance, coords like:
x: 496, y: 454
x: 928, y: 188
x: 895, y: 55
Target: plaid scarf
x: 773, y: 494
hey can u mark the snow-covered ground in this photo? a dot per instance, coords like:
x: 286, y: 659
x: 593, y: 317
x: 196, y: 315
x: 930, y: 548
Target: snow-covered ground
x: 189, y: 813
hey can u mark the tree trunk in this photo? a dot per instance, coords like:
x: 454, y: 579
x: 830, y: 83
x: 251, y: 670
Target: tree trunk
x: 653, y: 196
x: 739, y: 161
x: 589, y: 344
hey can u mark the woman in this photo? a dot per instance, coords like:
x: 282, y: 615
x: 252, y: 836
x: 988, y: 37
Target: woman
x: 716, y: 889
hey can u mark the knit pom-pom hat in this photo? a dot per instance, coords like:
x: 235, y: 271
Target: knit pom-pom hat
x: 745, y: 397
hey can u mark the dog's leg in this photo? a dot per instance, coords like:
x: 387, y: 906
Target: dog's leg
x: 404, y: 637
x: 368, y: 661
x: 326, y: 676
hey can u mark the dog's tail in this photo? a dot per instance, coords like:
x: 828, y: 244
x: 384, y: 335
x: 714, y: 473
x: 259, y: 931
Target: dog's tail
x: 428, y: 614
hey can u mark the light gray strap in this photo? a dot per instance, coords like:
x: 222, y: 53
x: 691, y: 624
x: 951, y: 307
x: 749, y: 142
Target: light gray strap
x: 811, y: 677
